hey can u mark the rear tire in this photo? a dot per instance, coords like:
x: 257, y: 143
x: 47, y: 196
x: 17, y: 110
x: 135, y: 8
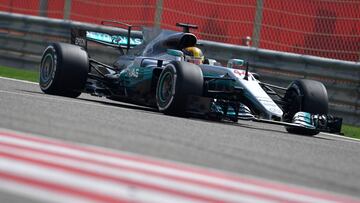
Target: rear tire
x: 63, y: 70
x: 177, y: 81
x: 307, y: 96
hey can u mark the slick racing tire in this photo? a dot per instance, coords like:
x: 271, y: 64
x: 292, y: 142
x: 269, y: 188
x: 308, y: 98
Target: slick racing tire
x: 307, y: 96
x: 63, y: 70
x: 177, y: 81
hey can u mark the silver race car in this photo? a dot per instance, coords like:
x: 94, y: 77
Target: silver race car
x: 164, y: 69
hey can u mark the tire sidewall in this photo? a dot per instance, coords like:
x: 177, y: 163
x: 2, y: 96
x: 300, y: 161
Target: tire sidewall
x: 164, y: 105
x: 63, y: 70
x: 48, y: 80
x: 307, y: 103
x: 187, y: 80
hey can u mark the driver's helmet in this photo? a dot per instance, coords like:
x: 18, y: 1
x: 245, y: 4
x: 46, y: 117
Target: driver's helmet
x: 193, y: 55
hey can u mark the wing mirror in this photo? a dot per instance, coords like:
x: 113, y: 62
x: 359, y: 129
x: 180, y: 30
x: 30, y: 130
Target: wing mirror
x: 177, y: 53
x: 236, y: 64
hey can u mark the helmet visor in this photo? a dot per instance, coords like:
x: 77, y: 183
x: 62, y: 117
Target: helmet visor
x: 194, y: 60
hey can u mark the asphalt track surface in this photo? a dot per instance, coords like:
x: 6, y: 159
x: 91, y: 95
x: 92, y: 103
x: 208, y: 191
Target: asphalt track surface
x: 324, y: 162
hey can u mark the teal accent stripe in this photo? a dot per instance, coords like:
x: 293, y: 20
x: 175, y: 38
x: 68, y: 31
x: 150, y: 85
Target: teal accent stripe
x: 113, y: 39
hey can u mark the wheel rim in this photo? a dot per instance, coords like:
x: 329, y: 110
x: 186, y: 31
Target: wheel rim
x: 166, y: 87
x: 47, y: 69
x: 292, y: 107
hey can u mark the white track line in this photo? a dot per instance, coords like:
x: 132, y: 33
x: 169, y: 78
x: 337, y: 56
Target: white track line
x: 17, y: 80
x: 341, y: 137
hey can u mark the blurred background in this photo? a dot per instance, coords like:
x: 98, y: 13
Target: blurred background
x: 326, y: 28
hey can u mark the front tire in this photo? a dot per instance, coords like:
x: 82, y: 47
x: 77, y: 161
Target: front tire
x: 176, y: 83
x: 63, y: 70
x: 307, y: 96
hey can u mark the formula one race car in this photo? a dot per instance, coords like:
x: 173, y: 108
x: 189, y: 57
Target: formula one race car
x: 157, y: 71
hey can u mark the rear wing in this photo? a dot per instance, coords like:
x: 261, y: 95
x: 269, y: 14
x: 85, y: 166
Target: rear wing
x: 119, y: 38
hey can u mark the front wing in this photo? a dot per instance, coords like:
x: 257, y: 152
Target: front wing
x: 204, y: 107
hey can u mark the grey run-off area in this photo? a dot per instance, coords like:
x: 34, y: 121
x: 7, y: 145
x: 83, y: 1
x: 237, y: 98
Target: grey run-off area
x: 323, y: 162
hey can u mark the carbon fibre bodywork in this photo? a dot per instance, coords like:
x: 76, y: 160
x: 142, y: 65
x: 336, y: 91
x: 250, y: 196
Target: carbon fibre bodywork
x: 134, y: 76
